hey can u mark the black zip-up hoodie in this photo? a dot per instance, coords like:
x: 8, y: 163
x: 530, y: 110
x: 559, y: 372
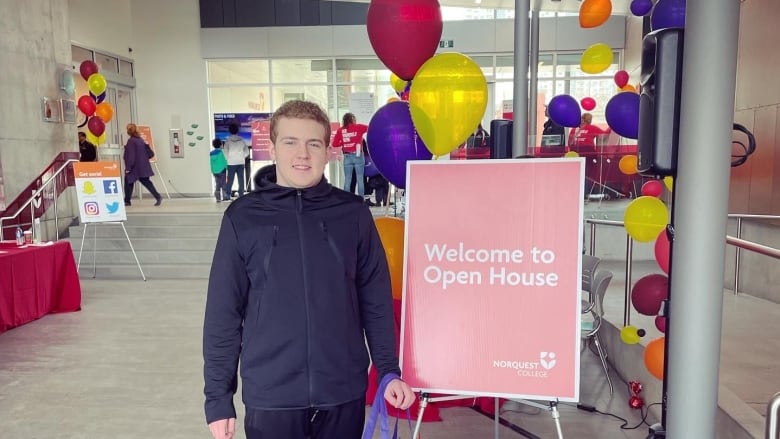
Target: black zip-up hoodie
x: 298, y: 276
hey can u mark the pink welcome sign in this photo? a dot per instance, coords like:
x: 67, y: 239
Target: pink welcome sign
x: 491, y: 302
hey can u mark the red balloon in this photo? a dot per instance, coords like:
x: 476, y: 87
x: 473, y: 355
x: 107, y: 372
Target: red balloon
x: 404, y: 34
x: 636, y: 402
x: 621, y: 78
x: 588, y: 103
x: 660, y: 323
x: 88, y: 68
x: 653, y: 188
x: 96, y: 126
x: 87, y: 105
x: 649, y: 292
x: 663, y: 251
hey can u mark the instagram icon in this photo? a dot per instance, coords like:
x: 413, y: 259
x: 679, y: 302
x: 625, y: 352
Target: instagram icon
x: 91, y: 208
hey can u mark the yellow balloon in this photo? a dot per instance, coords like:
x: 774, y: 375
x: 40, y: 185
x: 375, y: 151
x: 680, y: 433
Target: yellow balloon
x: 669, y: 182
x: 391, y: 232
x: 97, y: 83
x: 629, y: 335
x: 447, y: 101
x: 645, y: 217
x: 596, y: 58
x: 397, y: 83
x: 93, y: 139
x: 571, y: 154
x: 101, y: 140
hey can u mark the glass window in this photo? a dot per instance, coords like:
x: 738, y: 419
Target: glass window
x: 300, y: 70
x: 239, y: 72
x: 314, y: 93
x: 599, y: 89
x: 125, y: 68
x: 240, y: 99
x: 107, y: 62
x: 79, y: 54
x: 454, y: 13
x: 568, y: 65
x: 361, y: 70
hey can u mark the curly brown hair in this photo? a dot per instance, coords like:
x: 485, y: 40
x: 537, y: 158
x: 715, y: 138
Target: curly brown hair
x: 297, y: 109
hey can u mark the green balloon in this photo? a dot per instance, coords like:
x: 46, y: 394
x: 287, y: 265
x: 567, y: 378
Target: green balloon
x: 189, y: 133
x: 194, y: 125
x: 199, y: 137
x: 192, y: 143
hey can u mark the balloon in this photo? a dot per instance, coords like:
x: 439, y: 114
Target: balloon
x: 104, y: 111
x: 571, y: 154
x: 663, y: 251
x: 391, y: 232
x: 668, y: 14
x: 369, y: 170
x: 96, y: 126
x: 654, y: 358
x: 594, y: 13
x: 596, y: 58
x: 67, y: 84
x: 588, y: 103
x: 86, y: 105
x: 669, y: 182
x: 629, y: 88
x: 98, y: 98
x: 652, y: 188
x: 93, y: 139
x: 628, y: 164
x: 640, y: 8
x: 629, y: 335
x: 649, y: 292
x: 564, y: 110
x: 393, y: 99
x: 644, y: 218
x: 397, y: 83
x: 404, y: 34
x: 621, y: 78
x: 87, y: 69
x: 97, y: 83
x: 622, y: 114
x: 660, y: 323
x: 394, y: 141
x: 447, y: 99
x: 101, y: 139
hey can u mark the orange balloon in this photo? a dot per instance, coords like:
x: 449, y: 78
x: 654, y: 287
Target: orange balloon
x: 594, y: 13
x: 391, y: 232
x: 628, y: 164
x: 654, y: 357
x: 629, y: 88
x: 104, y: 111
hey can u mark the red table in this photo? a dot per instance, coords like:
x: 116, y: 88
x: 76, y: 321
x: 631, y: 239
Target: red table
x: 35, y: 281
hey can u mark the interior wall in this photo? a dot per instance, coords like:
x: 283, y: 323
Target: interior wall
x: 34, y: 47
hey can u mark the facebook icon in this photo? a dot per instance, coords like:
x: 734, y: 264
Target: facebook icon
x: 110, y: 187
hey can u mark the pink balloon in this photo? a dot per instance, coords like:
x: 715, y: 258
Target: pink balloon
x: 404, y: 34
x: 87, y: 68
x: 660, y: 323
x: 649, y: 292
x: 588, y: 103
x: 663, y: 251
x: 621, y: 78
x: 653, y: 188
x: 96, y: 126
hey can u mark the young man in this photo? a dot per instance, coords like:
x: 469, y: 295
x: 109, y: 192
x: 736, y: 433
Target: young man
x: 299, y: 277
x: 87, y: 149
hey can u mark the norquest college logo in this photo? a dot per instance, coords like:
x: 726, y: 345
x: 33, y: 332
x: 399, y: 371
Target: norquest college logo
x: 531, y: 369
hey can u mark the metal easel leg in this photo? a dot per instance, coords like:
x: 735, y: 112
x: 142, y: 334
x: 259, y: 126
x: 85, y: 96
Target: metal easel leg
x: 94, y: 253
x: 423, y: 404
x: 162, y: 180
x: 133, y: 250
x: 556, y: 415
x: 81, y: 249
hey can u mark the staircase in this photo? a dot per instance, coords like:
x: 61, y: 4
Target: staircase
x: 169, y: 245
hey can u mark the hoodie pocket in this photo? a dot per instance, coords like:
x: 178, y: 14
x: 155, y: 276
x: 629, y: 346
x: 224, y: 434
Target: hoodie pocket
x: 259, y: 291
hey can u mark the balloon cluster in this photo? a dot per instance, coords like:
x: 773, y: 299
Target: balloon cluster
x: 97, y: 112
x: 441, y: 97
x: 635, y: 401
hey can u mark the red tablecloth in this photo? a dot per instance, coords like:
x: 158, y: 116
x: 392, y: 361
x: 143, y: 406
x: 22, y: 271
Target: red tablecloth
x: 35, y: 281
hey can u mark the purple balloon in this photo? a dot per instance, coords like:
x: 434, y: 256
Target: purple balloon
x: 394, y: 141
x: 564, y: 110
x: 369, y: 170
x: 640, y: 8
x: 99, y: 98
x: 622, y: 114
x: 667, y: 14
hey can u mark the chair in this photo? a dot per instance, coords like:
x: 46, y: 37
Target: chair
x: 589, y: 264
x: 590, y: 328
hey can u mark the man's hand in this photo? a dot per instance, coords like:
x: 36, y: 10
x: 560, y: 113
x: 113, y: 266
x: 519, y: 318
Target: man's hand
x: 223, y: 429
x: 399, y: 394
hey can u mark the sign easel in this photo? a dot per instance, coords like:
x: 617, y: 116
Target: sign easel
x: 145, y: 132
x: 100, y: 199
x: 490, y: 284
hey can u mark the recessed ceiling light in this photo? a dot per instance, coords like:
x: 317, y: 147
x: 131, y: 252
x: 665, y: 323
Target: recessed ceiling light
x: 478, y: 2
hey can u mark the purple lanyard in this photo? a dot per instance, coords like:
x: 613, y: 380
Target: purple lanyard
x: 379, y: 410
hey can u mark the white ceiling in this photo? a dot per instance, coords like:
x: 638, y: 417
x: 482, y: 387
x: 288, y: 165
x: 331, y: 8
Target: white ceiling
x: 619, y: 7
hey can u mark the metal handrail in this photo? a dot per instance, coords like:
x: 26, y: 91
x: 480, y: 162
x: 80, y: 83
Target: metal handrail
x: 629, y: 257
x: 772, y: 409
x: 738, y: 254
x: 35, y: 195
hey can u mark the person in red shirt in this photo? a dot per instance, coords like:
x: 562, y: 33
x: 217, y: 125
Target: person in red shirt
x: 350, y: 139
x: 583, y: 138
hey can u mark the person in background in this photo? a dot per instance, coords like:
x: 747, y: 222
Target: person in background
x: 350, y: 139
x: 299, y: 285
x: 219, y: 171
x: 236, y: 151
x: 137, y: 166
x: 583, y: 138
x: 86, y: 149
x: 552, y: 128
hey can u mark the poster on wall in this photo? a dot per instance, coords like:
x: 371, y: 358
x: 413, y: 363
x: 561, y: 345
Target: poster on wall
x: 251, y: 128
x: 491, y: 303
x: 99, y: 192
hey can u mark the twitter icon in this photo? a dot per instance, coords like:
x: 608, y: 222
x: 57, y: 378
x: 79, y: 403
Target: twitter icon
x: 113, y: 207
